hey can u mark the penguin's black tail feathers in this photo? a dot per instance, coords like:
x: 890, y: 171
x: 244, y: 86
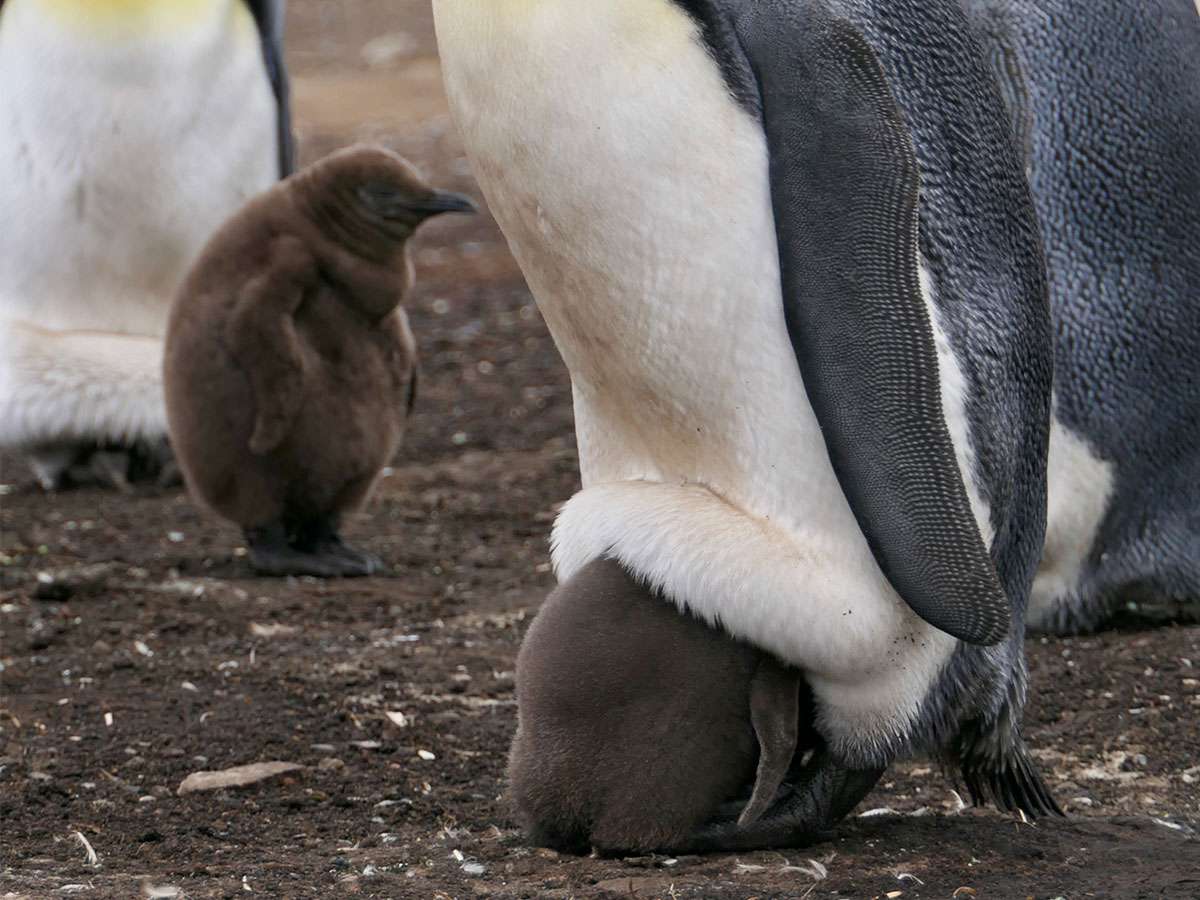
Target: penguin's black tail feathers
x: 1012, y: 783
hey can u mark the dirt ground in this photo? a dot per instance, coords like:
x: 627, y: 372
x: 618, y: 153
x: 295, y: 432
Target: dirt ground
x: 138, y: 648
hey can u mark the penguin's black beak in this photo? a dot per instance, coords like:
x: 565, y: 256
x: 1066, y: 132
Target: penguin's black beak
x: 407, y: 205
x: 442, y: 201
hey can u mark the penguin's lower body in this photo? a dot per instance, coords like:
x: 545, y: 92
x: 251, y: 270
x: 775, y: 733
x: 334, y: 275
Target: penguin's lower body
x: 1119, y: 550
x: 84, y: 406
x: 128, y: 132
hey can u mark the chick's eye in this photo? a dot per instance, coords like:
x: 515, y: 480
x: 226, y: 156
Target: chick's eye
x: 378, y: 195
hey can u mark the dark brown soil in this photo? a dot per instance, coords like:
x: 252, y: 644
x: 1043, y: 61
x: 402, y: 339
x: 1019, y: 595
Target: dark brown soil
x: 137, y: 647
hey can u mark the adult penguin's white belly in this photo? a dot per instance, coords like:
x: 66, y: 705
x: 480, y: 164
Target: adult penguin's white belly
x: 634, y: 193
x: 128, y: 132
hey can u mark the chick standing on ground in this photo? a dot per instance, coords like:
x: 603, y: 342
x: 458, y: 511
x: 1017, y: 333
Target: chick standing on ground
x: 289, y: 366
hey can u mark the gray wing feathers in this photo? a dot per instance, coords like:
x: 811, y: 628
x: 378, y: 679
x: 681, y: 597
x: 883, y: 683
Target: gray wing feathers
x: 845, y: 189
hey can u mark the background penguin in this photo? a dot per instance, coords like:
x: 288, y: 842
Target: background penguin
x: 789, y: 257
x: 636, y: 722
x: 1105, y: 97
x: 128, y: 132
x: 289, y: 367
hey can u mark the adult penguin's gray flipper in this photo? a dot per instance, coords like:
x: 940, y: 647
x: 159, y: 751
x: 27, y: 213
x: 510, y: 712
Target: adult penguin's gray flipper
x: 268, y: 15
x: 845, y: 187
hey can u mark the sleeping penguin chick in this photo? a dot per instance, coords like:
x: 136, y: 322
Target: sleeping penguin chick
x: 638, y: 723
x: 289, y: 367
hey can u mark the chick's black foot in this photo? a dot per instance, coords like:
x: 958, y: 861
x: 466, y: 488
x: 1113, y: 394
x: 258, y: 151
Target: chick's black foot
x: 322, y: 538
x: 824, y: 792
x: 271, y: 553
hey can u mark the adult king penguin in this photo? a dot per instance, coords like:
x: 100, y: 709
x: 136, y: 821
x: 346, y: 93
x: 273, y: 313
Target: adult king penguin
x: 1105, y: 98
x: 787, y: 252
x: 129, y: 130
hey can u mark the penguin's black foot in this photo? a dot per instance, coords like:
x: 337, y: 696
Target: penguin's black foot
x: 823, y: 793
x: 321, y: 538
x: 151, y: 462
x: 319, y: 552
x: 53, y: 464
x: 1142, y: 608
x: 1135, y: 607
x: 63, y: 466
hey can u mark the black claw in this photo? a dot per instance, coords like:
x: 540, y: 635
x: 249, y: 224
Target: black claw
x: 1013, y: 785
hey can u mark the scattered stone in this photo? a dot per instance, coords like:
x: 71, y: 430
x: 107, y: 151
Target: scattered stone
x: 636, y: 887
x: 272, y: 629
x: 235, y: 776
x: 53, y: 591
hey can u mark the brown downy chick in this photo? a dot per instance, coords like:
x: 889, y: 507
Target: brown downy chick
x: 289, y: 367
x: 637, y: 724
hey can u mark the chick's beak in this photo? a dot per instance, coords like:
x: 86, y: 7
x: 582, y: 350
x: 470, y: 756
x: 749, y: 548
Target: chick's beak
x: 443, y: 201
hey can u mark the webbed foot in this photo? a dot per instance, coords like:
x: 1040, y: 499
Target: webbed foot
x: 67, y: 465
x: 318, y: 550
x: 321, y: 537
x: 824, y: 792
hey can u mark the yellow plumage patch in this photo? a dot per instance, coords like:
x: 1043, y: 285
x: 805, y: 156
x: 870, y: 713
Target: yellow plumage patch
x: 124, y: 19
x: 485, y: 19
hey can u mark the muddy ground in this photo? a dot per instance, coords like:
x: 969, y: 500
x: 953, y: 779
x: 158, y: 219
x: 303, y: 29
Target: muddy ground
x: 138, y: 648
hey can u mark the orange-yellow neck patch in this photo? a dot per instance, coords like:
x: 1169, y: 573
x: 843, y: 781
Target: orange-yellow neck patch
x: 126, y: 19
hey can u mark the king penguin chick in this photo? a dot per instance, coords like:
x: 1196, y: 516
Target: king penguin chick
x: 790, y: 259
x: 638, y: 723
x: 289, y: 367
x: 1105, y: 100
x: 128, y: 132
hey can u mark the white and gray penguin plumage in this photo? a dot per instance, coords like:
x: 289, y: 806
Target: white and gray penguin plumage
x: 788, y: 255
x: 128, y: 132
x: 1105, y: 98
